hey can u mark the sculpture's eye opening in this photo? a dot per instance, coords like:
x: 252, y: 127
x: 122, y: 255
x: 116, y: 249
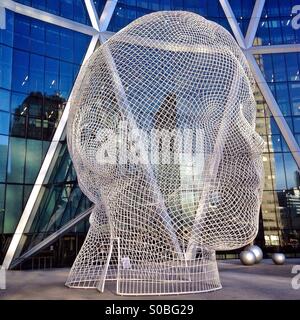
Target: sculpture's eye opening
x: 162, y: 136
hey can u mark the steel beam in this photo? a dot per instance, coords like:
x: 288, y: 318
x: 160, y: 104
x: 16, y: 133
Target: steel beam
x: 53, y: 237
x: 281, y: 48
x: 233, y: 23
x: 254, y: 21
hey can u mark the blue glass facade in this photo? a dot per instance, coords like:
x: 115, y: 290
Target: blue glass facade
x: 69, y: 9
x: 275, y: 24
x: 38, y: 65
x: 128, y: 10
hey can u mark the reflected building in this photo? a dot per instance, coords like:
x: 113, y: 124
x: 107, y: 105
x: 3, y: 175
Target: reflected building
x: 37, y: 116
x: 270, y: 217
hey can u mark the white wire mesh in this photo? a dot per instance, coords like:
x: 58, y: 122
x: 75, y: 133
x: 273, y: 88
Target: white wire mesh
x: 162, y: 136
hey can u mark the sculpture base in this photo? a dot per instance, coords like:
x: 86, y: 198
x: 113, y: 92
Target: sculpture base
x: 173, y: 277
x: 177, y: 276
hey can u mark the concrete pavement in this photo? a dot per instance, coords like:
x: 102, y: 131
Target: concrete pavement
x: 262, y: 281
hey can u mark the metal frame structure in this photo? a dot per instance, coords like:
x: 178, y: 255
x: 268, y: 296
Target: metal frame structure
x: 98, y: 31
x: 253, y: 24
x: 46, y: 242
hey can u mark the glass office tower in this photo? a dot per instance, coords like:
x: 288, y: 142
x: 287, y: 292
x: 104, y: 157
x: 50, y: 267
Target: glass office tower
x: 43, y: 213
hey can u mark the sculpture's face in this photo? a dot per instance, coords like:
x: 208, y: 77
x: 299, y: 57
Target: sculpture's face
x: 194, y: 169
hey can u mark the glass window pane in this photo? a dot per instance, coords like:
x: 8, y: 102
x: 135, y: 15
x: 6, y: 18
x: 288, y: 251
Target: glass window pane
x: 13, y: 207
x: 292, y: 66
x: 7, y: 34
x: 275, y: 31
x: 279, y: 67
x: 288, y: 34
x: 18, y: 126
x: 4, y: 122
x: 272, y: 7
x: 22, y: 32
x: 267, y: 67
x: 292, y: 171
x: 3, y: 157
x: 18, y: 103
x: 80, y: 13
x: 262, y: 34
x: 16, y: 160
x: 52, y: 41
x: 66, y: 9
x: 66, y: 79
x: 295, y: 97
x: 276, y: 143
x: 39, y: 4
x: 274, y: 127
x: 51, y: 76
x: 4, y: 100
x: 20, y: 71
x: 5, y: 66
x: 34, y: 103
x: 33, y: 160
x: 66, y: 45
x: 280, y: 183
x: 296, y: 124
x: 282, y: 97
x: 34, y: 129
x: 36, y: 73
x: 2, y: 206
x: 81, y: 42
x: 37, y: 37
x: 53, y: 6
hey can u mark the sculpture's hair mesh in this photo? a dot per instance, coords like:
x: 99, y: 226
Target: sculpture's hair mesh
x: 175, y: 77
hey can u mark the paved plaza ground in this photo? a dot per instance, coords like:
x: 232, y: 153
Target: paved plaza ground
x: 262, y: 281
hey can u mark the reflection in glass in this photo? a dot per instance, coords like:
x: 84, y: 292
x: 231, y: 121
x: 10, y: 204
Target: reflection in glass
x: 13, y: 207
x: 16, y: 160
x: 4, y: 100
x: 20, y: 72
x: 36, y: 116
x: 33, y: 160
x: 4, y: 122
x: 5, y: 67
x: 3, y: 157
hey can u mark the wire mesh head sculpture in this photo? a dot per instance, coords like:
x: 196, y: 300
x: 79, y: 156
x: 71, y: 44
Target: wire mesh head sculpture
x: 162, y: 136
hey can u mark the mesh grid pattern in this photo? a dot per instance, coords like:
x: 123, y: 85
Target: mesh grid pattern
x: 162, y: 136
